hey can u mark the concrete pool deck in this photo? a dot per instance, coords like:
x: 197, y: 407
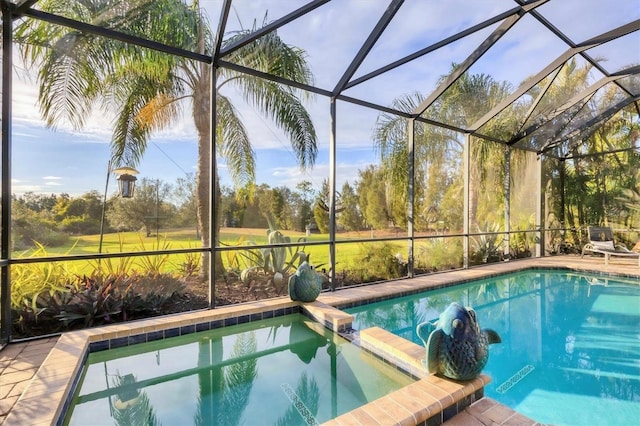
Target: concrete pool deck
x: 36, y: 376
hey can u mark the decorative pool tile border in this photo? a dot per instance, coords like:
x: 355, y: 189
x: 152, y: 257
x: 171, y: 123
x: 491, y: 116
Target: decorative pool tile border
x: 118, y: 342
x: 460, y: 281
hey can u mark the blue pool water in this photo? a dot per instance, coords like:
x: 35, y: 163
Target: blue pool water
x: 282, y: 371
x: 570, y: 351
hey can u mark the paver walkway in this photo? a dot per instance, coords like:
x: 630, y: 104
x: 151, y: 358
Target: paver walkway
x: 18, y: 364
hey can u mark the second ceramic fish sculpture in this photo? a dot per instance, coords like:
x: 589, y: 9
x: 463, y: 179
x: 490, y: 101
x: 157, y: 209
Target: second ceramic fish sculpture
x: 305, y: 284
x: 455, y: 345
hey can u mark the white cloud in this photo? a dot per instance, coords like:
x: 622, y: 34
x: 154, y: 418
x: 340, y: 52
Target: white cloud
x: 291, y: 176
x: 20, y: 188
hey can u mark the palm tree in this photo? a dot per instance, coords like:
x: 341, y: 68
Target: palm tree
x: 78, y: 71
x: 435, y: 148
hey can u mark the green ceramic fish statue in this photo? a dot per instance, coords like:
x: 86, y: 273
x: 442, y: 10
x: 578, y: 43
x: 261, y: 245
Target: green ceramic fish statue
x: 305, y: 284
x: 455, y: 345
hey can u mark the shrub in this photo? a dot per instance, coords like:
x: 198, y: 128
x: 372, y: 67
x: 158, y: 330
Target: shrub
x: 438, y: 254
x: 380, y: 262
x: 92, y: 301
x: 31, y: 228
x: 191, y: 264
x: 153, y: 264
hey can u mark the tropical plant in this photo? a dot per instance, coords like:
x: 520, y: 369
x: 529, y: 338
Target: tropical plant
x: 487, y: 247
x: 190, y: 265
x: 78, y: 70
x: 94, y: 300
x: 153, y: 264
x: 630, y: 198
x: 438, y: 254
x: 438, y: 150
x: 277, y: 261
x: 33, y: 283
x: 379, y: 261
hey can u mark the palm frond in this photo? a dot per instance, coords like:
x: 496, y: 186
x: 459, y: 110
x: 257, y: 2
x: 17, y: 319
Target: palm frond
x: 280, y: 104
x: 272, y: 55
x: 233, y: 143
x: 159, y: 113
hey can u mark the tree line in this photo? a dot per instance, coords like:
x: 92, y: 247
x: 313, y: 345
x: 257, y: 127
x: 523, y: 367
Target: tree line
x: 51, y: 219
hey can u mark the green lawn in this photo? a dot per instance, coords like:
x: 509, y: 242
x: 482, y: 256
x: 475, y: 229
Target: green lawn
x: 186, y: 238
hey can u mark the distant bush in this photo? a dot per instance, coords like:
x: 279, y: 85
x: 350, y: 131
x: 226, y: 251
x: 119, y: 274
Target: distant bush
x: 439, y: 254
x: 29, y: 231
x: 376, y: 262
x: 80, y: 225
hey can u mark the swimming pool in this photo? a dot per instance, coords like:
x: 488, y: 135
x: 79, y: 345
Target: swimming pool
x: 284, y: 370
x: 570, y: 351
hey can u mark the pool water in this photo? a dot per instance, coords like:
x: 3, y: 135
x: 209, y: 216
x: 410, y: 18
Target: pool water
x: 570, y: 351
x: 286, y: 370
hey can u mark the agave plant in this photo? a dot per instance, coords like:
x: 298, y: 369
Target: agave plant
x: 276, y: 261
x: 488, y: 247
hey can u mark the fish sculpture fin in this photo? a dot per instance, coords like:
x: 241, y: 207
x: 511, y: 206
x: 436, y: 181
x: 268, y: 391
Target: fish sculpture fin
x: 424, y: 331
x: 292, y: 287
x: 433, y: 350
x: 492, y: 336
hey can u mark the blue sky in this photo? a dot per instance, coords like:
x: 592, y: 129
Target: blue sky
x: 72, y: 161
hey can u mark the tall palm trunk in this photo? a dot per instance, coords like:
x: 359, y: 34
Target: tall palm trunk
x: 202, y: 116
x: 474, y: 185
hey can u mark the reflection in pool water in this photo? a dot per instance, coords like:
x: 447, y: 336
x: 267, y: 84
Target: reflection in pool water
x: 570, y: 351
x: 286, y: 370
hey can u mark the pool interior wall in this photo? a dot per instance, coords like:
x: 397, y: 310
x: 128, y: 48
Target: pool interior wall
x: 430, y: 400
x: 290, y: 369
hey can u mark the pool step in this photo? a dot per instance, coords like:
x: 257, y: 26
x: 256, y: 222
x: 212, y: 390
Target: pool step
x: 430, y: 400
x: 332, y: 318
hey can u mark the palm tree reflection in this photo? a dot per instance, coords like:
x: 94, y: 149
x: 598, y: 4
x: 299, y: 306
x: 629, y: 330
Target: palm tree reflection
x: 304, y: 403
x: 225, y: 390
x: 132, y: 407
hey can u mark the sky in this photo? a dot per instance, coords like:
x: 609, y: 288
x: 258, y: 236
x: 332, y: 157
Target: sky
x: 74, y: 161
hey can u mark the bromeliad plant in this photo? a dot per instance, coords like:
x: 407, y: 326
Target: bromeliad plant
x: 92, y: 301
x: 33, y: 283
x: 53, y: 296
x: 95, y: 300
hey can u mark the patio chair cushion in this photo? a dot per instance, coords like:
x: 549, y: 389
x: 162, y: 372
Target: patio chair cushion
x: 603, y: 245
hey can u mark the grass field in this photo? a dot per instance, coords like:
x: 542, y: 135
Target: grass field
x: 123, y: 242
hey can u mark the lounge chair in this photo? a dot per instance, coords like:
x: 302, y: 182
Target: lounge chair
x: 601, y: 241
